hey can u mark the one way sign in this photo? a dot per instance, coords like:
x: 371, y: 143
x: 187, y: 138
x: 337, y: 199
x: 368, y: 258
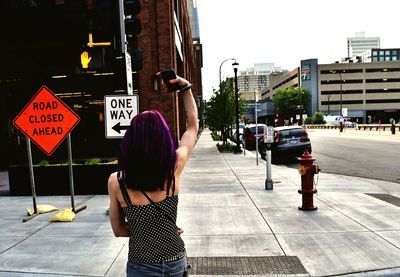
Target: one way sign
x: 119, y: 110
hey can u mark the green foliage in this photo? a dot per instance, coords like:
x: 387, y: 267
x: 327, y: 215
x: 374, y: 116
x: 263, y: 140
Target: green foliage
x: 290, y: 101
x: 226, y: 148
x: 215, y: 136
x: 43, y: 163
x: 221, y: 107
x: 318, y: 118
x: 308, y: 120
x: 93, y: 161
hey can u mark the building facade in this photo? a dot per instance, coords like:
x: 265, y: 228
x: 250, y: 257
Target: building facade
x: 385, y: 54
x: 358, y: 44
x: 369, y: 91
x: 167, y: 42
x: 364, y: 92
x: 279, y: 81
x: 254, y: 79
x: 44, y: 57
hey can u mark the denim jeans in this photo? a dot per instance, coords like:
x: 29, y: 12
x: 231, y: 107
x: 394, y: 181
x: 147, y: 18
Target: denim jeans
x: 163, y: 269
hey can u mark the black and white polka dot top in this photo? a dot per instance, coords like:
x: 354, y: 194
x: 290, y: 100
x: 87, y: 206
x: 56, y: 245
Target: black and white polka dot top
x: 154, y: 236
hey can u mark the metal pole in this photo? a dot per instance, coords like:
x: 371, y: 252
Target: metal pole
x: 221, y: 67
x: 35, y: 212
x: 71, y: 178
x: 237, y: 150
x: 341, y: 93
x: 244, y: 145
x: 224, y: 131
x: 341, y: 108
x: 71, y: 174
x: 255, y: 116
x: 269, y: 185
x: 28, y: 142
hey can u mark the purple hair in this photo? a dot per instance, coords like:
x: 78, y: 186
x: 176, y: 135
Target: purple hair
x: 147, y: 153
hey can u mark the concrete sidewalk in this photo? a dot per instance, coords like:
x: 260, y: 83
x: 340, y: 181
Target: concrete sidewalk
x: 228, y: 217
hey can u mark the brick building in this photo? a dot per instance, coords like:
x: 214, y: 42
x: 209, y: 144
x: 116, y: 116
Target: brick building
x: 167, y: 42
x: 44, y: 57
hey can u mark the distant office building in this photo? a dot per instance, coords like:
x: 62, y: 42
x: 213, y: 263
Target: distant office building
x: 255, y: 79
x: 368, y: 92
x: 385, y: 54
x: 357, y: 45
x: 193, y: 19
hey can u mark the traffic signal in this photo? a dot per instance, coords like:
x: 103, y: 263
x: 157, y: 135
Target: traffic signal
x: 133, y: 26
x: 93, y: 59
x: 129, y: 23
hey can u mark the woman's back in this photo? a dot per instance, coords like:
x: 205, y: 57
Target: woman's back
x: 154, y: 235
x: 144, y: 198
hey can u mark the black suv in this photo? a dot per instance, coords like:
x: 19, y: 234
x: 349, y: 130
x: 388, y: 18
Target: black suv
x: 289, y: 142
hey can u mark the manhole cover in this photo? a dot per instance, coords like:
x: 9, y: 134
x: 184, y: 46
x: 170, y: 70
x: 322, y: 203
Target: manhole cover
x: 246, y: 265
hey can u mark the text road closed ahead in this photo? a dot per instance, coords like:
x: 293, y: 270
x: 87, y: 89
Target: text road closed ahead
x: 119, y: 111
x: 46, y: 120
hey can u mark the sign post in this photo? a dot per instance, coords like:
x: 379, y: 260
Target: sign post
x: 119, y: 111
x: 255, y: 119
x: 32, y: 177
x: 45, y: 120
x: 71, y: 178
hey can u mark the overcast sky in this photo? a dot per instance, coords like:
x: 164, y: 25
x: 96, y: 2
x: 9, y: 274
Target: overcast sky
x: 284, y: 32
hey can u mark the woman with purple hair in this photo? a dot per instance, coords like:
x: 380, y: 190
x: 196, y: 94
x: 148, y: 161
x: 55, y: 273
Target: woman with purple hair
x: 144, y: 193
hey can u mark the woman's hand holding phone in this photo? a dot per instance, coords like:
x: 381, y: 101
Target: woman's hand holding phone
x: 171, y: 80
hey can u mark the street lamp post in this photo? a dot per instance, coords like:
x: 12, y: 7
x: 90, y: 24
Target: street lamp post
x: 256, y: 121
x: 235, y: 66
x: 224, y: 127
x: 230, y: 59
x: 341, y: 95
x: 301, y: 107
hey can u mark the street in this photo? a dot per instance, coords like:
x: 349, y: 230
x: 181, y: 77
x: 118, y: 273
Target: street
x: 355, y: 155
x: 374, y: 157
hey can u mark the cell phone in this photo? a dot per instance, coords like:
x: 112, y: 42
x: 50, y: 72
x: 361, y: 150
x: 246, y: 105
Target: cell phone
x: 168, y: 75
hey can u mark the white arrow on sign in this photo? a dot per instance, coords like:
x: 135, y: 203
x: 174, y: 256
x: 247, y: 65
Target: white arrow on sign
x: 119, y: 111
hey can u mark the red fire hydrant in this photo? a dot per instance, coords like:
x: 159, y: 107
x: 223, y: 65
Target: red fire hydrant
x: 307, y: 171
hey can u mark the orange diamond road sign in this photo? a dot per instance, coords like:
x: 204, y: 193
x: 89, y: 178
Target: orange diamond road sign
x: 46, y: 120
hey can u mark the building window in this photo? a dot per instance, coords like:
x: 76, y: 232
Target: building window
x: 176, y: 2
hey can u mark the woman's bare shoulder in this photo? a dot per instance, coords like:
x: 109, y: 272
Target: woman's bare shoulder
x: 112, y: 181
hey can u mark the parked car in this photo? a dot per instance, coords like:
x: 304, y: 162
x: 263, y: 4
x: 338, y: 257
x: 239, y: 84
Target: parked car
x: 290, y: 142
x: 249, y: 135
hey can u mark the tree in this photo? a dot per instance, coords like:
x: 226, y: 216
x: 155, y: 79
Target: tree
x: 220, y: 109
x: 318, y: 118
x: 291, y: 101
